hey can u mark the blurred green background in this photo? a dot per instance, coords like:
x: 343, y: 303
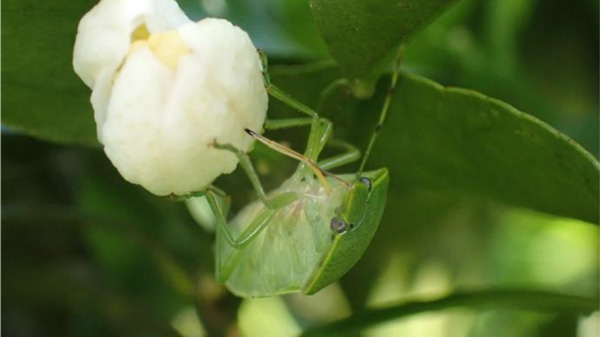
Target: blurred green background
x: 87, y: 254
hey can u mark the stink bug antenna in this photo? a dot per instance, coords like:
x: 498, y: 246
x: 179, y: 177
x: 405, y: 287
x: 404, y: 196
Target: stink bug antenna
x: 384, y: 109
x: 319, y: 172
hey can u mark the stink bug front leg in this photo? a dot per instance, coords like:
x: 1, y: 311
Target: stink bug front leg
x: 248, y: 168
x: 265, y: 67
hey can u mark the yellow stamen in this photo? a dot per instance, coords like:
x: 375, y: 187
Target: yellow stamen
x: 140, y: 33
x: 168, y: 47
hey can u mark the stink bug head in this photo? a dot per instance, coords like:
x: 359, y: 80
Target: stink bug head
x: 355, y: 204
x: 361, y: 212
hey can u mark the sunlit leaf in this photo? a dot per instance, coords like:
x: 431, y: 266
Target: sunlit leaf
x: 456, y: 139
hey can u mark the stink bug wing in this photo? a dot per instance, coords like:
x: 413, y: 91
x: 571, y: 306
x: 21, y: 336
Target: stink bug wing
x: 281, y: 258
x: 347, y: 248
x: 228, y: 257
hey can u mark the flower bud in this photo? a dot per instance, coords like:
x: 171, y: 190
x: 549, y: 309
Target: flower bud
x: 165, y: 90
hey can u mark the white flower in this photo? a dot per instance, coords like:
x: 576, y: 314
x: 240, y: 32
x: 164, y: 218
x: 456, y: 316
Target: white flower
x: 165, y: 88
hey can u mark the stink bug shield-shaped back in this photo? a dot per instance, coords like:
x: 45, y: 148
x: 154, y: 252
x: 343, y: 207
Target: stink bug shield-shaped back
x: 311, y: 230
x: 307, y: 243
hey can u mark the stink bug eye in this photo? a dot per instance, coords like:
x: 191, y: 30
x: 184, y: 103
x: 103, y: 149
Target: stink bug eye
x: 367, y: 182
x: 338, y: 225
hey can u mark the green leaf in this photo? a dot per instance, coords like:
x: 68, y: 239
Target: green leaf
x: 516, y: 299
x: 459, y: 140
x: 41, y: 94
x: 362, y: 33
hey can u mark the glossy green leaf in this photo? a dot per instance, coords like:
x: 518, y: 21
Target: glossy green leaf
x: 362, y: 33
x: 456, y: 139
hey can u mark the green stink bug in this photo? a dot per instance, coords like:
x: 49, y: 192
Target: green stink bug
x: 307, y: 243
x: 311, y: 230
x: 309, y: 237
